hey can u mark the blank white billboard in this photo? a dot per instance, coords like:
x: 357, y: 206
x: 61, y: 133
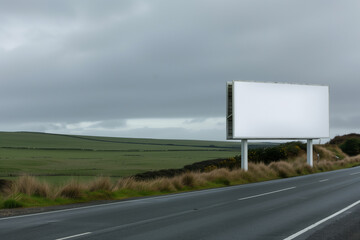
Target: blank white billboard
x: 277, y: 111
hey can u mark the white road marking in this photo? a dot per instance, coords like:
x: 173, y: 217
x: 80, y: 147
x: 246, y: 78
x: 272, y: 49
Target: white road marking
x: 263, y: 194
x: 355, y: 173
x: 324, y: 180
x: 73, y: 236
x: 321, y: 221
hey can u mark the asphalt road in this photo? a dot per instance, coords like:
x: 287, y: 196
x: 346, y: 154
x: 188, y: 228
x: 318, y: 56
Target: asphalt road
x: 345, y: 227
x: 294, y: 208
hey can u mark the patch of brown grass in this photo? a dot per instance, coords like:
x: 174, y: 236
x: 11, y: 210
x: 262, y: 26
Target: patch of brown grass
x: 261, y: 171
x: 324, y: 152
x: 72, y: 189
x: 177, y: 183
x: 100, y: 183
x: 162, y: 185
x: 219, y: 176
x: 188, y: 179
x: 283, y: 169
x: 31, y: 186
x: 131, y: 183
x: 124, y: 183
x: 324, y: 165
x: 221, y: 173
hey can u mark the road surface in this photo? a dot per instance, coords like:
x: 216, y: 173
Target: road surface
x: 293, y: 208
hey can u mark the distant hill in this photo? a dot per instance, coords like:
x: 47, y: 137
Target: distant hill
x: 341, y: 139
x: 38, y: 140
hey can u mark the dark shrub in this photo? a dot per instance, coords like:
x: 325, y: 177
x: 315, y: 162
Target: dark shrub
x: 351, y: 146
x: 267, y: 155
x: 293, y: 149
x: 5, y: 185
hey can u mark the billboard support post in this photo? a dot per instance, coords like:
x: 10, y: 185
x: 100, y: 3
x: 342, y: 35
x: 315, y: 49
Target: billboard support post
x: 309, y: 150
x: 244, y: 154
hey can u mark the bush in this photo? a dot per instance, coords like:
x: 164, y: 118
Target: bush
x: 270, y: 154
x: 12, y: 203
x: 5, y: 186
x: 293, y: 149
x: 351, y: 146
x: 275, y: 153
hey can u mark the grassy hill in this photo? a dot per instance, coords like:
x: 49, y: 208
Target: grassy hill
x: 349, y: 144
x: 338, y: 140
x: 44, y: 154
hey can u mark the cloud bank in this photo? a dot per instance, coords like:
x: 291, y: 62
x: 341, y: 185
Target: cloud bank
x: 67, y: 64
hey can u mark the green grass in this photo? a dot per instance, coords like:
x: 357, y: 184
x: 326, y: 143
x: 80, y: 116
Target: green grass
x: 60, y: 156
x: 12, y: 203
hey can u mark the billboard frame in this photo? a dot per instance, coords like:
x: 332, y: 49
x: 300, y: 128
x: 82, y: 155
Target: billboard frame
x: 230, y: 123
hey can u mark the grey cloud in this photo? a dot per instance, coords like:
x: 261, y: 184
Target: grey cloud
x: 111, y: 124
x: 195, y: 120
x: 347, y: 121
x: 44, y: 10
x: 97, y: 61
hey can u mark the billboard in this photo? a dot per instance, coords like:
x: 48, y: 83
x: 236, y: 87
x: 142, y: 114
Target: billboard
x: 258, y: 110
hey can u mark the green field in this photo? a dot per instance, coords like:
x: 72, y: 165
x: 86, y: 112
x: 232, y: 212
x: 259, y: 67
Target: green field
x: 51, y: 154
x: 57, y: 155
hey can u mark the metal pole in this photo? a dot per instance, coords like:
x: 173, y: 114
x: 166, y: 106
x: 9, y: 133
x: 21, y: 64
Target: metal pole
x: 309, y: 150
x: 244, y: 154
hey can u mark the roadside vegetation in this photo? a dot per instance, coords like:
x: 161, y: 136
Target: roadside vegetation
x: 285, y: 160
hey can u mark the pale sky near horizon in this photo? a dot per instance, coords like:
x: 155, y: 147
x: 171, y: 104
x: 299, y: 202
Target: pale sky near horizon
x: 158, y: 69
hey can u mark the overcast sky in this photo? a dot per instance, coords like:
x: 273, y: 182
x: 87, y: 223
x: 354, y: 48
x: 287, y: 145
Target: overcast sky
x: 158, y: 69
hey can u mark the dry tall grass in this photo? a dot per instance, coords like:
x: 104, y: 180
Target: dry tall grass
x: 329, y: 153
x: 29, y: 185
x: 100, y: 183
x: 72, y: 189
